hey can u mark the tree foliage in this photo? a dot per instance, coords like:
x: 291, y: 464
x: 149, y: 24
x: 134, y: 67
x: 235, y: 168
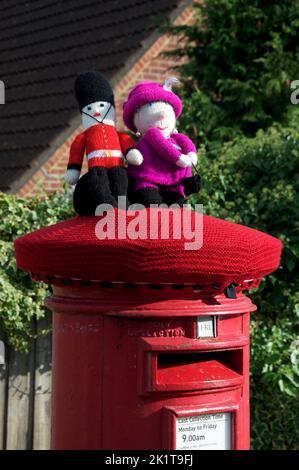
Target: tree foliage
x: 241, y: 56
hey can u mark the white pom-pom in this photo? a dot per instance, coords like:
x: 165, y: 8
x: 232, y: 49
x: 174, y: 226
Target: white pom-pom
x: 170, y: 82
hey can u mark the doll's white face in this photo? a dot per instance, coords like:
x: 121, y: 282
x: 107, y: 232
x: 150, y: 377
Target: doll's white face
x: 156, y: 114
x: 98, y: 112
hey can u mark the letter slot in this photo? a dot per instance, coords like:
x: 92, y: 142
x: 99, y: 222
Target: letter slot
x: 184, y: 371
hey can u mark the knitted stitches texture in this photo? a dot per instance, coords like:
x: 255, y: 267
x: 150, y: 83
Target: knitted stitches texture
x: 91, y: 87
x: 70, y: 249
x: 159, y: 157
x: 148, y: 92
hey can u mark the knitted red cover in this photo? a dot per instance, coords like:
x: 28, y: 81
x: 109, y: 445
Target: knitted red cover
x: 70, y: 249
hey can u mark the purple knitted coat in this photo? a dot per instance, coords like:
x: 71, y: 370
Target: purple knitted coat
x: 159, y: 157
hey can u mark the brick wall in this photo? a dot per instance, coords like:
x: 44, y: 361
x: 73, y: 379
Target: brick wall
x: 151, y: 66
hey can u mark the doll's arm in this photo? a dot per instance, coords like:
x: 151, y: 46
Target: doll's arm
x: 184, y: 142
x: 75, y: 159
x: 187, y: 146
x: 128, y: 146
x: 126, y: 142
x: 164, y: 148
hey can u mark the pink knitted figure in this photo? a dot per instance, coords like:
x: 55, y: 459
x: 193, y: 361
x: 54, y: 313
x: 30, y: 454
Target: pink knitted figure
x: 160, y: 167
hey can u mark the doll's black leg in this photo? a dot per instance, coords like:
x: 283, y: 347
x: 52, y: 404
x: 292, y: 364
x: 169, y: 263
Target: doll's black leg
x: 131, y: 189
x: 92, y: 189
x: 118, y: 179
x: 173, y: 197
x: 192, y: 184
x: 147, y: 196
x: 81, y: 199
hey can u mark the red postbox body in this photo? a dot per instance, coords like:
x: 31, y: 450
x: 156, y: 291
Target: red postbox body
x: 143, y: 364
x: 134, y: 371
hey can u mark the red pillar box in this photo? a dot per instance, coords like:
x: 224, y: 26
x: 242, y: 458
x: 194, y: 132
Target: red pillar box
x: 150, y: 346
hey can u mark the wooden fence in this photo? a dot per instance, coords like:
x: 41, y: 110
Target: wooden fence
x: 25, y: 395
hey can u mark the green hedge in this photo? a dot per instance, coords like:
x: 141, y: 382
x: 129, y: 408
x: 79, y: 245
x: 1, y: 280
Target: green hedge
x: 274, y: 418
x: 21, y: 298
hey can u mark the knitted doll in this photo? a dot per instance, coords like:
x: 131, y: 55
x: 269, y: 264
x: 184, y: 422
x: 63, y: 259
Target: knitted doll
x: 160, y: 168
x: 105, y: 148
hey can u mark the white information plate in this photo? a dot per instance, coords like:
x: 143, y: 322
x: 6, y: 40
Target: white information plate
x: 204, y: 432
x: 206, y: 327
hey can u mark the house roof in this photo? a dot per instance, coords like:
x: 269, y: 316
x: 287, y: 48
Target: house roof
x: 44, y: 44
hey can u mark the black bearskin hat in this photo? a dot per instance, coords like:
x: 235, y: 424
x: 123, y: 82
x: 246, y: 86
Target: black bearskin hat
x: 91, y: 87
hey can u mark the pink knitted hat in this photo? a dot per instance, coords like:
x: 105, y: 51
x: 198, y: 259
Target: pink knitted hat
x: 147, y: 92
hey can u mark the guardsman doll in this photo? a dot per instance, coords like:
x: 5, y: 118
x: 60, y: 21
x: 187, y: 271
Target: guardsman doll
x: 104, y: 146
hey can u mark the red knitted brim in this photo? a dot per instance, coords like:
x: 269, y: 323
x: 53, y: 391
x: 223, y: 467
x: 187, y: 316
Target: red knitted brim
x: 71, y: 250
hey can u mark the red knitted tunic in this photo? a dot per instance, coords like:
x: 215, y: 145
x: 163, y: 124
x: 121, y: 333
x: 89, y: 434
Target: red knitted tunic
x: 104, y: 147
